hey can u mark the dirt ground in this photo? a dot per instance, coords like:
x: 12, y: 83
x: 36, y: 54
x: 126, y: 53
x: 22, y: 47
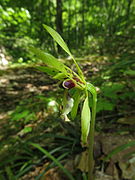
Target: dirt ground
x: 17, y: 84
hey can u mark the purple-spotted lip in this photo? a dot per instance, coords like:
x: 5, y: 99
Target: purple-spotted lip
x: 68, y: 84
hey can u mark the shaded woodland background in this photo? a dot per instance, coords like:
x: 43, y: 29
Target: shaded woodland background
x: 103, y: 27
x: 101, y: 35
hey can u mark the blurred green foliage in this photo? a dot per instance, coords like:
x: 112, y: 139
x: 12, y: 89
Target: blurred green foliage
x: 104, y: 30
x: 105, y: 27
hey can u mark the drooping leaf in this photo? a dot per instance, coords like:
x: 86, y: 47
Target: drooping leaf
x: 76, y: 98
x: 57, y: 38
x: 85, y: 120
x: 48, y: 59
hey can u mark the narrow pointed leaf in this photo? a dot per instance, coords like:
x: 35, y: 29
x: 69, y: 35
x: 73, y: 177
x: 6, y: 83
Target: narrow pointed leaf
x: 69, y: 175
x: 60, y: 76
x: 48, y: 70
x: 58, y: 39
x: 119, y: 149
x: 64, y: 46
x: 85, y: 121
x: 48, y: 59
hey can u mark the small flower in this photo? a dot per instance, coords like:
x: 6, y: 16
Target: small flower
x: 68, y: 84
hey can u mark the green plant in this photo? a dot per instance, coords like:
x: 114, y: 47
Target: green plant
x: 21, y: 158
x: 27, y: 111
x: 75, y: 85
x: 54, y: 160
x: 119, y: 149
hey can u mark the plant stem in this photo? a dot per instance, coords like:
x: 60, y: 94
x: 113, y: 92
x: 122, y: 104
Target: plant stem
x: 91, y: 141
x: 79, y: 70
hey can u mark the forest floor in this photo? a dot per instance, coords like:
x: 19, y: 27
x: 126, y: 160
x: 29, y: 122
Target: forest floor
x: 17, y: 84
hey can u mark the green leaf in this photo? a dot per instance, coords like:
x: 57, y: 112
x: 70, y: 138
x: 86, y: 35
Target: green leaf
x: 25, y: 165
x: 85, y: 120
x: 58, y: 39
x: 130, y: 72
x: 48, y: 70
x: 60, y: 76
x: 84, y: 176
x: 104, y: 105
x: 76, y: 98
x: 91, y: 89
x: 110, y: 90
x: 27, y: 169
x: 10, y: 173
x: 52, y: 165
x: 18, y: 116
x: 27, y: 129
x: 119, y: 149
x: 49, y: 60
x: 69, y: 175
x: 61, y: 42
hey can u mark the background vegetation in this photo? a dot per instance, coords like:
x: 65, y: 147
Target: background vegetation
x: 101, y: 34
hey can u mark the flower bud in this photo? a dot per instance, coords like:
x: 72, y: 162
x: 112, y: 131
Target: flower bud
x: 68, y: 84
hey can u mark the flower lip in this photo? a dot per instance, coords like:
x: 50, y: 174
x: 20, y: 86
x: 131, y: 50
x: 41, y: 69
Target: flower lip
x: 68, y: 84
